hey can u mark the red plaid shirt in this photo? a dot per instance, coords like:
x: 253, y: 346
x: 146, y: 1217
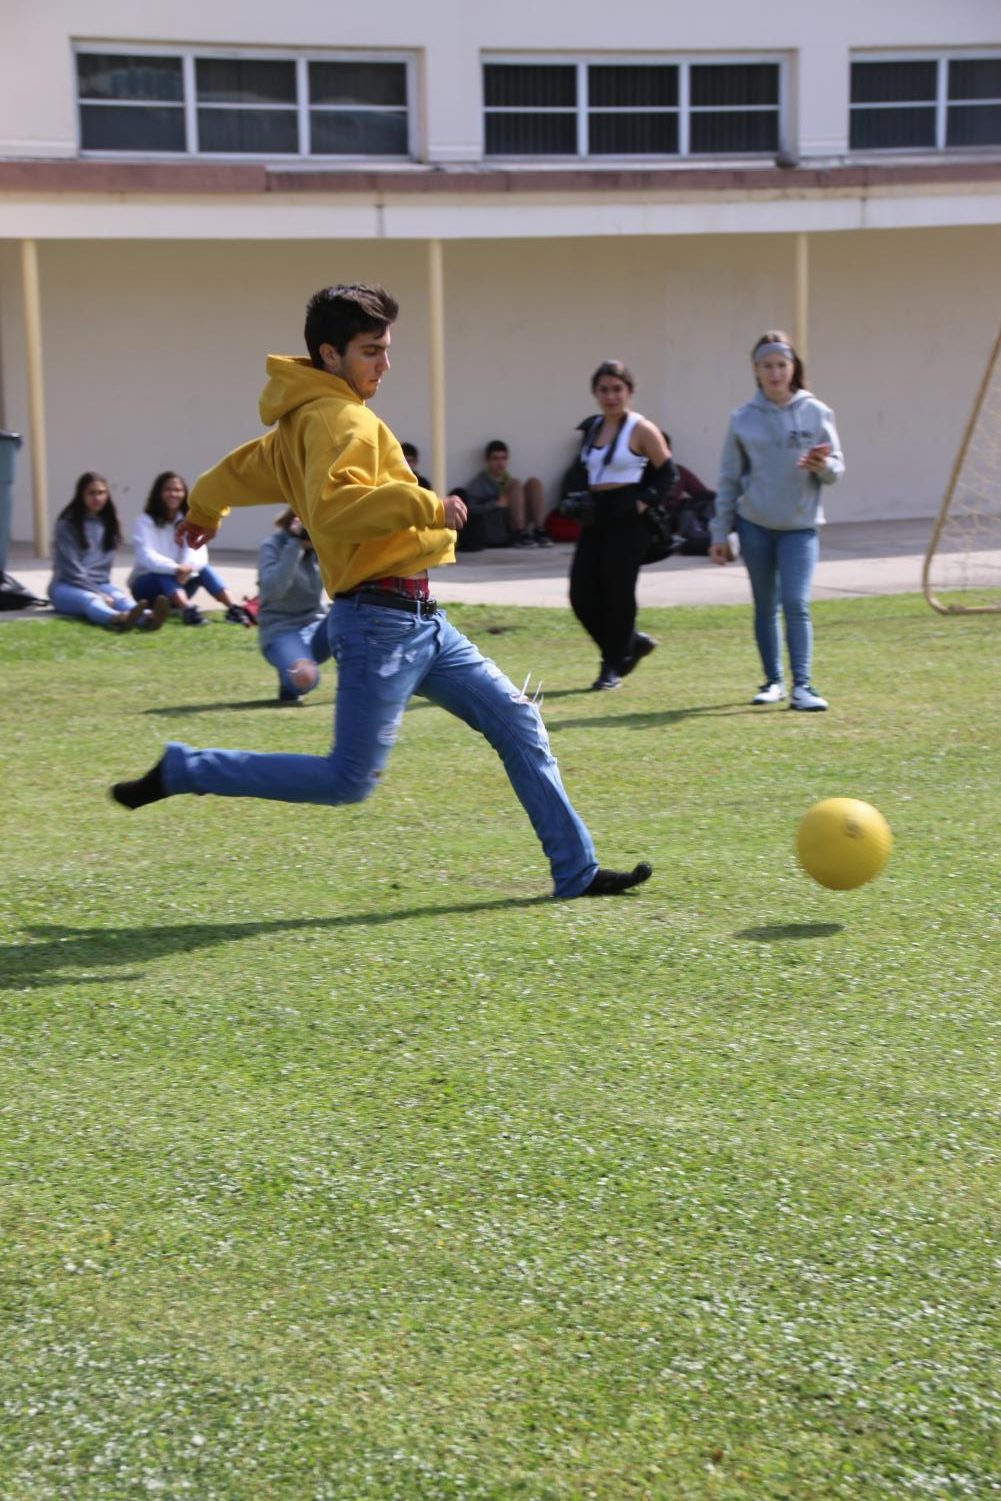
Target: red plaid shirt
x: 410, y: 588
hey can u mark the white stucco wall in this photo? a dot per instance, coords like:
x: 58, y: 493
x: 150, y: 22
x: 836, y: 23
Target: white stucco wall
x: 154, y: 350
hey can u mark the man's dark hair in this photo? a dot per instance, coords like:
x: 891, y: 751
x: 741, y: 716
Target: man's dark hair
x: 496, y: 445
x: 335, y: 315
x: 410, y: 450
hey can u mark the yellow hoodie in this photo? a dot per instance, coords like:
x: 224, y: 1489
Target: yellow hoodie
x: 342, y: 472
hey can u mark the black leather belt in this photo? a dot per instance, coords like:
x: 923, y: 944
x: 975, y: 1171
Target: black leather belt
x: 423, y: 608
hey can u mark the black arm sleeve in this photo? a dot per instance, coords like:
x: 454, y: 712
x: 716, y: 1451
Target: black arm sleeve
x: 658, y: 484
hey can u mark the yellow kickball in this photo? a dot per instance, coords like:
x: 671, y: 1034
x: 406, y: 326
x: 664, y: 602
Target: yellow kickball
x: 842, y: 843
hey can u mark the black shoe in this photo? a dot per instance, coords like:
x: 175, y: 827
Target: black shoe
x: 611, y: 882
x: 192, y: 615
x: 289, y: 699
x: 607, y: 678
x: 542, y: 538
x: 643, y: 645
x: 237, y: 615
x: 147, y: 789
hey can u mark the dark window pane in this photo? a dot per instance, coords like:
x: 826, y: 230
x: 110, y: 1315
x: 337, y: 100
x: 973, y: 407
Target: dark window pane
x: 108, y: 127
x: 632, y: 135
x: 735, y: 83
x: 358, y: 83
x: 221, y: 80
x: 889, y: 129
x: 626, y: 84
x: 257, y: 132
x: 104, y: 75
x: 531, y: 135
x: 713, y: 133
x: 975, y: 78
x: 529, y: 85
x: 358, y: 132
x: 973, y: 125
x: 893, y: 83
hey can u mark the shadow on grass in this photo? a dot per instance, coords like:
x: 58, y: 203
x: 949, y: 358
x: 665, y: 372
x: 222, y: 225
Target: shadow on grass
x: 643, y: 720
x: 172, y: 710
x: 61, y: 953
x: 781, y: 931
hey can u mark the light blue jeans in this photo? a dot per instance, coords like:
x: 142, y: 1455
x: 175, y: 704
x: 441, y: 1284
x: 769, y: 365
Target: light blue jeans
x: 780, y: 566
x: 383, y: 657
x: 291, y: 646
x: 149, y: 585
x: 71, y: 599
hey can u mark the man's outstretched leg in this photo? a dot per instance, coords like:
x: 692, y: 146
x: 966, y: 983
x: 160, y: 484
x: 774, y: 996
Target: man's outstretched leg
x: 476, y: 691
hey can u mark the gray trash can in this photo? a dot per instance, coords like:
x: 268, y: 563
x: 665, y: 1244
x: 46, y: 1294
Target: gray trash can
x: 9, y: 444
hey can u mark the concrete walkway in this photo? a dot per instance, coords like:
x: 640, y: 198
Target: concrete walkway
x: 856, y: 558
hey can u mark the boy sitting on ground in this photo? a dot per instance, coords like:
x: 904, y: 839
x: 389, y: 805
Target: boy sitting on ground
x: 523, y: 503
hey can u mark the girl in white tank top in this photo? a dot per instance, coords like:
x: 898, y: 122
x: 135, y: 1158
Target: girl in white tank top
x: 619, y: 445
x: 615, y: 463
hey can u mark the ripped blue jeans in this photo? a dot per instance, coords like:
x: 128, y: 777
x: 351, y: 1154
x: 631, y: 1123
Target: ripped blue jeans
x: 383, y: 657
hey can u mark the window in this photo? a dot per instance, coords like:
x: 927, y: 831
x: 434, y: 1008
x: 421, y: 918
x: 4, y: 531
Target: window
x: 637, y: 108
x: 222, y: 104
x: 925, y: 104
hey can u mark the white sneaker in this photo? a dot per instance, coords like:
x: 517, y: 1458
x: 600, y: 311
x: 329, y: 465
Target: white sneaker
x: 806, y: 698
x: 769, y: 693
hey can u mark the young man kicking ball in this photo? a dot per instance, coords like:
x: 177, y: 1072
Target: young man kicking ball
x: 376, y: 532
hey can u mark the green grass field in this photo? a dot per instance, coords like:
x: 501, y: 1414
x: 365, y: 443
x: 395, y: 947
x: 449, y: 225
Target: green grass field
x: 339, y: 1164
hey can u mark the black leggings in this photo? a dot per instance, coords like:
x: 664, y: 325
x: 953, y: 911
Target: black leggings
x: 604, y: 570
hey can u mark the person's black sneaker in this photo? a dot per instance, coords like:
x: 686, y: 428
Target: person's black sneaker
x: 607, y: 678
x: 237, y: 615
x: 643, y: 645
x: 542, y: 538
x: 147, y: 789
x: 192, y: 615
x: 289, y: 699
x: 611, y: 882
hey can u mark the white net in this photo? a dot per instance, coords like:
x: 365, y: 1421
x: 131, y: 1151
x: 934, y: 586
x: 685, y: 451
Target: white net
x: 962, y: 571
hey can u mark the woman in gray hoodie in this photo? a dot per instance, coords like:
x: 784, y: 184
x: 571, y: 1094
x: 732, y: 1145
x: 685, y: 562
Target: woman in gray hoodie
x: 781, y: 448
x: 291, y: 618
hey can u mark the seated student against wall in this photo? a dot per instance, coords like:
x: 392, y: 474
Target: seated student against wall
x: 170, y: 569
x: 413, y: 458
x: 292, y: 620
x: 522, y: 503
x: 690, y: 505
x: 83, y: 551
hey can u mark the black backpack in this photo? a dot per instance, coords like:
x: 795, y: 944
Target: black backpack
x: 14, y: 596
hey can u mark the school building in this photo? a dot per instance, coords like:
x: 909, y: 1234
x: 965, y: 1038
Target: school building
x: 542, y: 187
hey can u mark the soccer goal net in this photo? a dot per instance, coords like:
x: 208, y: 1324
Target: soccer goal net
x: 962, y: 569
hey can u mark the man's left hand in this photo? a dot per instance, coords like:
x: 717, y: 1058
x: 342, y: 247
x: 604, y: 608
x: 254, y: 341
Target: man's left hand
x: 455, y: 512
x: 191, y: 534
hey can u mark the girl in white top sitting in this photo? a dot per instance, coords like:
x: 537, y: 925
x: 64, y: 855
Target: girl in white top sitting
x: 618, y: 446
x: 168, y: 568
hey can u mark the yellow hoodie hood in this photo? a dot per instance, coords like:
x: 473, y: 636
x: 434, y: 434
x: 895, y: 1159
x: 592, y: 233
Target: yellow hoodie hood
x: 341, y: 470
x: 292, y: 381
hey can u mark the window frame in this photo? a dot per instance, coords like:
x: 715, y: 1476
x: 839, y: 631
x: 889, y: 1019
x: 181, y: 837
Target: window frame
x: 941, y: 103
x: 190, y: 104
x: 683, y: 110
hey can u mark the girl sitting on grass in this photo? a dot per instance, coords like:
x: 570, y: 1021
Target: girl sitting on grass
x: 291, y: 619
x: 83, y: 551
x: 171, y: 570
